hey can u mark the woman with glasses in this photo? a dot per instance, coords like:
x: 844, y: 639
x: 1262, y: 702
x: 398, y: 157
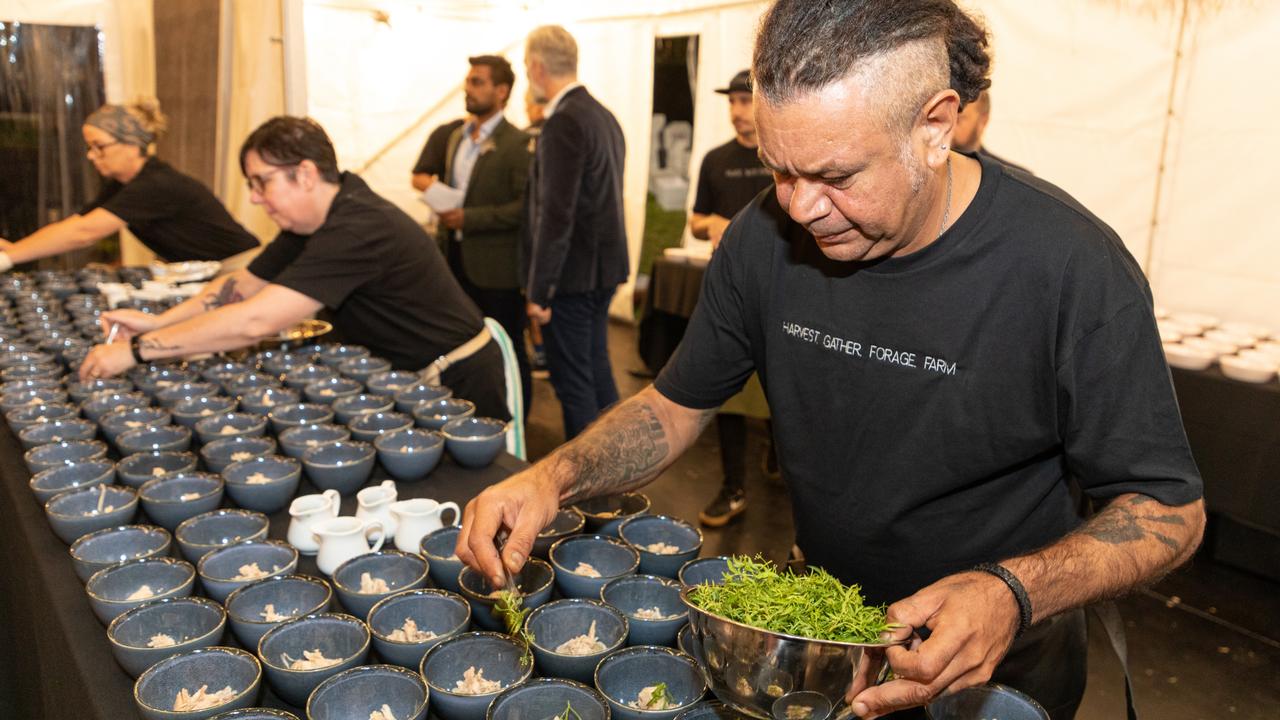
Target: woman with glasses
x: 174, y: 215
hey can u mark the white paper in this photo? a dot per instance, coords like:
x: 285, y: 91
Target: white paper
x: 440, y: 197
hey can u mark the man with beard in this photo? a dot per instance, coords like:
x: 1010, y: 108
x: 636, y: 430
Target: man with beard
x: 487, y: 159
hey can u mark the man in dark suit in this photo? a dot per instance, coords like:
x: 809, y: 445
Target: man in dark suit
x: 577, y: 242
x: 488, y: 160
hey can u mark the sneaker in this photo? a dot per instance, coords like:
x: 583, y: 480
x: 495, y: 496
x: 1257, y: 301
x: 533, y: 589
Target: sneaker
x: 728, y: 505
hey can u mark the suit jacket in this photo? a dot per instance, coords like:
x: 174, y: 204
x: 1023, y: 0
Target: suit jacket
x: 492, y: 208
x: 576, y: 240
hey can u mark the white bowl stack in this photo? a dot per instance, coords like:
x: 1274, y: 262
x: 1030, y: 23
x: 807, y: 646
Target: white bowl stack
x: 1244, y: 351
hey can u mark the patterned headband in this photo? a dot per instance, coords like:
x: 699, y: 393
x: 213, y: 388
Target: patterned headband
x: 122, y: 125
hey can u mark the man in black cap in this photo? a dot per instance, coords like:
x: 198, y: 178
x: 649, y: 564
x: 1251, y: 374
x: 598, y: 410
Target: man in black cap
x: 731, y: 177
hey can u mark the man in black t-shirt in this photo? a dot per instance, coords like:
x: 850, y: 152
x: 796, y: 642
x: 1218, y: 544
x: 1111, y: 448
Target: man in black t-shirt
x: 341, y: 247
x: 946, y: 345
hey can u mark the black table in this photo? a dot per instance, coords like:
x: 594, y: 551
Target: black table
x: 55, y: 661
x: 674, y: 287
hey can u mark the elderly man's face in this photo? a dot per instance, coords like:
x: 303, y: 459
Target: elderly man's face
x: 840, y: 172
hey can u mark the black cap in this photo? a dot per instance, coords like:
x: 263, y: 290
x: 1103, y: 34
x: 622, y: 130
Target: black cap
x: 740, y: 83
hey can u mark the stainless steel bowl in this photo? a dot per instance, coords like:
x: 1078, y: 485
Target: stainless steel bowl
x: 749, y: 668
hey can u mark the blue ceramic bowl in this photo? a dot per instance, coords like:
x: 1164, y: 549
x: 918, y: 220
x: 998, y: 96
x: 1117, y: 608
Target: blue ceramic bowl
x: 50, y: 483
x: 20, y: 372
x: 392, y: 381
x: 170, y: 499
x: 221, y: 453
x: 265, y: 484
x: 224, y: 372
x: 328, y: 392
x: 174, y: 394
x: 711, y: 570
x: 337, y: 636
x: 137, y: 469
x: 548, y: 698
x: 118, y: 589
x: 190, y: 411
x: 568, y: 521
x: 261, y: 401
x: 297, y: 441
x: 202, y: 534
x: 358, y: 692
x: 257, y: 713
x: 438, y: 612
x: 399, y: 570
x: 215, y: 667
x: 622, y: 675
x: 665, y: 543
x: 474, y: 442
x: 163, y: 438
x: 636, y: 594
x: 76, y: 513
x: 684, y: 639
x: 804, y: 704
x: 228, y: 568
x: 157, y: 380
x: 161, y: 629
x: 303, y: 375
x: 361, y: 368
x: 257, y: 607
x: 242, y: 385
x: 991, y: 700
x: 352, y: 406
x: 101, y: 403
x: 407, y: 398
x: 443, y: 565
x: 557, y: 622
x: 278, y: 361
x: 497, y: 656
x: 21, y: 418
x: 433, y: 414
x: 369, y: 426
x: 409, y: 454
x: 343, y: 466
x: 228, y: 425
x: 29, y: 357
x: 80, y: 391
x: 112, y: 546
x: 533, y: 583
x: 67, y: 452
x: 15, y: 399
x: 335, y: 355
x: 290, y: 415
x: 57, y: 431
x: 604, y: 514
x: 115, y: 424
x: 711, y: 710
x: 9, y: 400
x: 609, y: 557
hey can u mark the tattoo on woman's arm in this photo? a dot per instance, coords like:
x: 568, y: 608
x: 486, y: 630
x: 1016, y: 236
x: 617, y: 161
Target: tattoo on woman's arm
x: 226, y: 295
x: 152, y: 344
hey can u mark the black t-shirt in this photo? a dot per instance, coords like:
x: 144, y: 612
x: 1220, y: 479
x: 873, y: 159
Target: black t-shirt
x: 731, y: 176
x: 929, y: 410
x: 385, y: 283
x: 174, y: 215
x: 432, y: 159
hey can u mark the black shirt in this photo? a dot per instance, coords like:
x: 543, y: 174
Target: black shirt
x: 929, y: 409
x: 432, y: 159
x: 174, y: 215
x: 384, y: 281
x: 731, y: 176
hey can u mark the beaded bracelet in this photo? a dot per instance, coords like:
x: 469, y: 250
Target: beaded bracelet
x: 1019, y: 593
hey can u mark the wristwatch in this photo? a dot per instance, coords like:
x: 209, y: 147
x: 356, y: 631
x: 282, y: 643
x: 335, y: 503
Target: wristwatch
x: 136, y: 349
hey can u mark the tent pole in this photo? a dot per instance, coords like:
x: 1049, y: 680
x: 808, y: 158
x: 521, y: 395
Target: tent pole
x: 1164, y: 140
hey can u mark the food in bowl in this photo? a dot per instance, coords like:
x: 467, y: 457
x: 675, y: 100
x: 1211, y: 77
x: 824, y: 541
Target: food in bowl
x: 585, y: 644
x: 473, y: 682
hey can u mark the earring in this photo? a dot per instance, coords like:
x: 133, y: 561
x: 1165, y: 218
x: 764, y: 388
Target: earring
x: 944, y: 147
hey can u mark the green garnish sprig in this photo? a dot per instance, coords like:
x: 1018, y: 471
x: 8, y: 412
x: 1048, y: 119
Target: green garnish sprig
x: 659, y: 695
x: 568, y: 712
x: 814, y: 605
x: 509, y: 607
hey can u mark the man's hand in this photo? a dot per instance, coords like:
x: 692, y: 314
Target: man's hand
x: 106, y: 361
x: 452, y: 219
x: 523, y: 504
x: 422, y: 181
x: 5, y: 244
x: 537, y: 313
x: 131, y: 322
x: 972, y: 617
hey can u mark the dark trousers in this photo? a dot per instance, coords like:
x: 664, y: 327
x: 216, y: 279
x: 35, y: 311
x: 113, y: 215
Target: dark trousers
x: 507, y: 306
x: 732, y: 429
x: 577, y: 345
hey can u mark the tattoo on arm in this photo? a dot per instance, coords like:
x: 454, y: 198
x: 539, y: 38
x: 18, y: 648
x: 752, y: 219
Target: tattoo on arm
x: 225, y: 296
x: 1119, y: 524
x: 627, y: 447
x: 146, y: 343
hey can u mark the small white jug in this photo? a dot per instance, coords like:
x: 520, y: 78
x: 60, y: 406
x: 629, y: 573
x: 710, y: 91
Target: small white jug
x: 342, y: 538
x: 306, y: 510
x: 374, y: 503
x: 418, y: 517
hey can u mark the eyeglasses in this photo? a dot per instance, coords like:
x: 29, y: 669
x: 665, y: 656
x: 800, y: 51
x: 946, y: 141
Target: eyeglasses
x: 99, y: 148
x: 258, y: 183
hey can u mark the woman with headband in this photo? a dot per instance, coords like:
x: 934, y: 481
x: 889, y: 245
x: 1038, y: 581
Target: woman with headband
x: 174, y: 215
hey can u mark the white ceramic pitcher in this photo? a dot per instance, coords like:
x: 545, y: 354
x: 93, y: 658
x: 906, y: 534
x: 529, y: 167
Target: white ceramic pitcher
x: 418, y: 517
x: 306, y: 510
x: 374, y: 503
x: 342, y: 538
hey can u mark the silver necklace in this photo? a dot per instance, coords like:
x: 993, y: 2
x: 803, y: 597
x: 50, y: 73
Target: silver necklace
x: 946, y: 211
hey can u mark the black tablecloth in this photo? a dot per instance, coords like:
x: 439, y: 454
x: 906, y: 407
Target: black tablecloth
x: 55, y: 661
x: 674, y: 288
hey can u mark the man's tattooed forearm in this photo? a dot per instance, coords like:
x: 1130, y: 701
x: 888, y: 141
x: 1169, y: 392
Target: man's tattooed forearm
x: 624, y: 449
x: 225, y: 296
x: 1118, y: 524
